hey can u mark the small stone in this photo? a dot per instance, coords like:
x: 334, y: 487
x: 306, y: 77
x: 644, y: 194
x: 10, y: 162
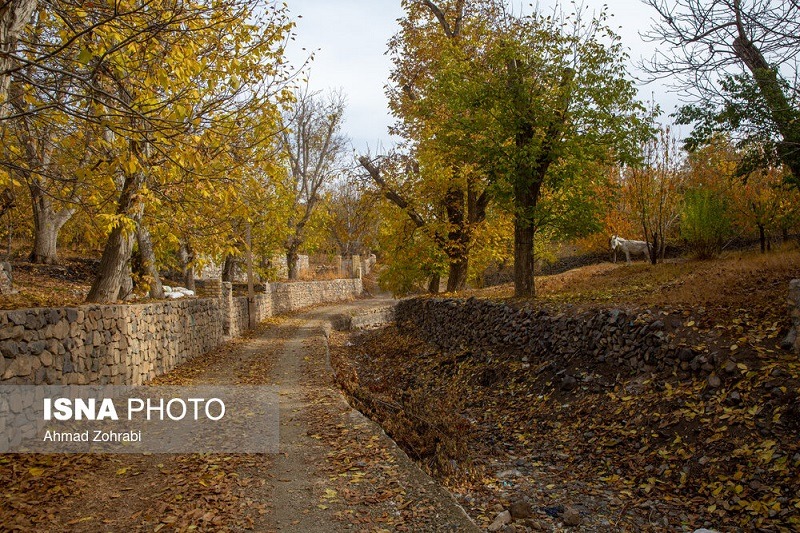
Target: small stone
x: 538, y: 525
x: 37, y: 347
x: 714, y: 381
x: 17, y: 317
x: 521, y: 509
x: 730, y: 366
x: 52, y: 316
x: 571, y: 517
x: 72, y: 315
x: 61, y: 330
x: 500, y: 520
x: 568, y: 383
x: 788, y: 342
x: 11, y: 332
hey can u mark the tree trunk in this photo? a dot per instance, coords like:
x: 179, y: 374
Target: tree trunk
x: 458, y: 237
x: 780, y: 106
x: 46, y: 226
x: 149, y: 261
x: 114, y: 267
x: 126, y: 285
x: 291, y: 262
x: 457, y: 273
x: 654, y: 249
x: 762, y: 238
x: 228, y: 268
x: 115, y: 263
x: 530, y: 174
x: 186, y: 257
x: 433, y: 284
x: 523, y: 258
x: 14, y: 16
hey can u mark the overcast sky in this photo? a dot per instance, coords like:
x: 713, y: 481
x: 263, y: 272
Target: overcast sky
x: 350, y: 39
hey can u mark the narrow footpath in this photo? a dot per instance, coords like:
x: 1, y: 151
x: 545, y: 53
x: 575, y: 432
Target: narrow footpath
x: 335, y: 470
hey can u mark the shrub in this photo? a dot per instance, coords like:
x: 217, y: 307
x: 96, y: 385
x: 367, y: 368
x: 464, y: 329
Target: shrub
x: 705, y: 223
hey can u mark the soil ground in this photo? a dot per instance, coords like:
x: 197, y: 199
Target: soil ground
x: 621, y: 451
x: 335, y: 470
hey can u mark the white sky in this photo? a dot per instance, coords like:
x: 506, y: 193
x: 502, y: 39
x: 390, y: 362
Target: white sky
x: 350, y: 38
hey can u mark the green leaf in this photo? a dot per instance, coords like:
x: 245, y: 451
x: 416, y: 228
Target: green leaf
x: 85, y: 56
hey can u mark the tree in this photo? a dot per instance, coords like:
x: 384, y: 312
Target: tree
x: 313, y: 145
x: 435, y: 182
x: 184, y: 113
x: 653, y: 190
x: 37, y: 152
x: 45, y: 149
x: 353, y: 215
x: 449, y: 219
x: 556, y: 96
x: 14, y: 16
x: 738, y: 60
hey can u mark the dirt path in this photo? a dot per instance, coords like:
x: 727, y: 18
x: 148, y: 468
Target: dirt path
x: 336, y: 470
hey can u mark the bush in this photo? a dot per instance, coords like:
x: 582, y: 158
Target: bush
x: 705, y: 223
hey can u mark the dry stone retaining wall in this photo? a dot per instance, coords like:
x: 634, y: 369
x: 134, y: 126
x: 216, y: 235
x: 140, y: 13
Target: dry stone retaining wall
x: 633, y: 340
x: 130, y: 344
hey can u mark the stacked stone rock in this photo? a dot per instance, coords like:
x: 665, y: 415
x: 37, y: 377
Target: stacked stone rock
x: 131, y: 344
x: 105, y: 345
x: 290, y: 296
x: 633, y: 340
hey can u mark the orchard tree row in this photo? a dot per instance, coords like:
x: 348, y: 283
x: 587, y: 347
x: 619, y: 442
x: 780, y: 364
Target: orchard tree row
x: 520, y: 129
x: 165, y: 131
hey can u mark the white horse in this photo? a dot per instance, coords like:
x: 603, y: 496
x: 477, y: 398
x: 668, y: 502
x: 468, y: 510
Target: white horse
x: 629, y: 247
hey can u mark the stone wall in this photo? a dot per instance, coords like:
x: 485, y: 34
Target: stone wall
x: 105, y: 344
x: 350, y: 266
x: 238, y: 320
x: 130, y: 344
x: 279, y: 263
x: 211, y: 270
x: 6, y: 279
x: 292, y: 296
x: 365, y: 318
x: 633, y: 340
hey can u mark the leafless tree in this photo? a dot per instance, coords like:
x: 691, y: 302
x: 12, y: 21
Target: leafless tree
x: 353, y: 215
x: 314, y: 144
x: 738, y: 59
